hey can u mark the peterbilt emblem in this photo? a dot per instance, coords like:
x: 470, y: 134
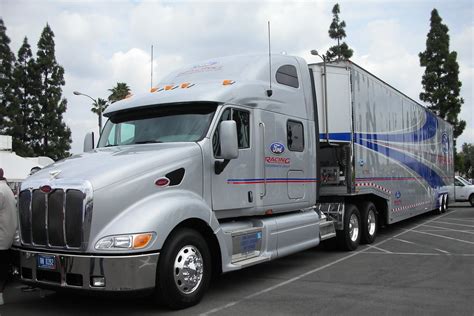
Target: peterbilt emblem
x: 277, y: 148
x: 398, y: 194
x: 54, y: 173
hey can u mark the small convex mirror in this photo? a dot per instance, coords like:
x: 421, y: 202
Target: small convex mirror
x: 89, y: 142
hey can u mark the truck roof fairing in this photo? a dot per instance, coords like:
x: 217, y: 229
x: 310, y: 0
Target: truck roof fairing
x: 204, y: 82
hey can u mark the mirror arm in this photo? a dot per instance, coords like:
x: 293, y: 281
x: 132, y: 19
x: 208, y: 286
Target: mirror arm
x: 219, y: 166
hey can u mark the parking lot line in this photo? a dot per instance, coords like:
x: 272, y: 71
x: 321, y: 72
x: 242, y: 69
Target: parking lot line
x: 421, y: 245
x: 405, y: 241
x: 449, y: 229
x: 233, y: 303
x: 460, y: 219
x: 380, y: 249
x: 420, y: 254
x: 446, y: 237
x: 455, y: 224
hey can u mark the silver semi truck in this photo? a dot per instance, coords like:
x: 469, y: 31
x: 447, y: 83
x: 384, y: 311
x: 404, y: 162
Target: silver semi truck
x: 226, y: 164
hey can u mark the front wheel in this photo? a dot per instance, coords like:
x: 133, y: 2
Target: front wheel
x: 184, y: 269
x: 349, y: 237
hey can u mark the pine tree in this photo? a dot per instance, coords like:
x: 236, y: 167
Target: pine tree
x: 7, y: 58
x: 54, y: 135
x: 23, y: 120
x: 337, y: 32
x: 119, y: 92
x: 440, y: 81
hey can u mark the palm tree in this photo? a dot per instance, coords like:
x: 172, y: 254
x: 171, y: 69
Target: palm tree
x: 119, y: 92
x: 98, y: 107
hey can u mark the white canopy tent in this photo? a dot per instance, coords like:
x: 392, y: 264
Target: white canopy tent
x: 16, y: 168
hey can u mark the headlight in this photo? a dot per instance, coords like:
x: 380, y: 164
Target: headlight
x: 132, y: 241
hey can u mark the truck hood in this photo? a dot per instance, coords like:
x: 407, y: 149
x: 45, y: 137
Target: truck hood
x: 106, y: 166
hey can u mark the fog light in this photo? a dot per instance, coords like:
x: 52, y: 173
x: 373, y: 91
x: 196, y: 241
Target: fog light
x: 98, y: 281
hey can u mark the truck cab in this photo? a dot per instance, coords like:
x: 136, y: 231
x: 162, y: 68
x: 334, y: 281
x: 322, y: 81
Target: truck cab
x: 212, y: 171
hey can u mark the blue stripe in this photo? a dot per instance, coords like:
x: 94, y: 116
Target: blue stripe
x: 428, y: 174
x: 262, y: 179
x: 336, y: 136
x: 427, y: 131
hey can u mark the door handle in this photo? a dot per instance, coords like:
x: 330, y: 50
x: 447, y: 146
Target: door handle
x: 261, y: 126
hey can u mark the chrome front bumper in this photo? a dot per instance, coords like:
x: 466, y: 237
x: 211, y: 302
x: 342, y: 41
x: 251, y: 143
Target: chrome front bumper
x: 120, y: 273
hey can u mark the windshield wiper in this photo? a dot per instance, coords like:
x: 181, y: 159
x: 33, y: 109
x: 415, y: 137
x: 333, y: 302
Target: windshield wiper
x: 149, y: 142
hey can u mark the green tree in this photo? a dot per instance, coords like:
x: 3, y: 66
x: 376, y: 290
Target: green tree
x: 465, y: 161
x: 119, y: 92
x: 7, y: 58
x: 24, y: 101
x: 337, y: 32
x: 54, y: 137
x: 98, y: 107
x: 440, y: 81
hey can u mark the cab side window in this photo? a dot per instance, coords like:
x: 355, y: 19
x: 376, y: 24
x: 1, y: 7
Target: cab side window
x: 294, y: 133
x: 242, y: 119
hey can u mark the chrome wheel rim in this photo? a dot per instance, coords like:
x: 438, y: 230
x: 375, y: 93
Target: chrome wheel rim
x: 371, y: 222
x: 188, y: 269
x: 354, y: 227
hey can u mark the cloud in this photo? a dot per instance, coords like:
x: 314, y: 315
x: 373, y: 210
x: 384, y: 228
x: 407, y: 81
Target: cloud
x: 100, y: 43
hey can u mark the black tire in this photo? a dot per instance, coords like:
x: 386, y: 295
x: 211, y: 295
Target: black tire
x: 369, y: 221
x: 471, y: 199
x: 349, y: 237
x: 183, y: 242
x: 446, y: 203
x: 440, y: 209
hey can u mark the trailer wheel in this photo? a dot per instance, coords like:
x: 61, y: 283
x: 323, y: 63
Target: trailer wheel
x: 349, y: 237
x: 445, y: 203
x: 184, y: 269
x: 369, y: 222
x: 440, y: 209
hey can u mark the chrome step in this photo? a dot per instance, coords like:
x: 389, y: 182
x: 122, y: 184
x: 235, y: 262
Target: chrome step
x: 252, y: 261
x: 326, y: 230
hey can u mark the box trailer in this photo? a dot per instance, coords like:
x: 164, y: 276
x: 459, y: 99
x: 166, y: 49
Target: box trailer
x: 226, y: 164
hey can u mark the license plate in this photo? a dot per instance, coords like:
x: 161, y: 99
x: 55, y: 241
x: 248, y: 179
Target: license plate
x: 46, y: 262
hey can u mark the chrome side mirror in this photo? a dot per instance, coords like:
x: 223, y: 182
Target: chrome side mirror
x: 228, y: 140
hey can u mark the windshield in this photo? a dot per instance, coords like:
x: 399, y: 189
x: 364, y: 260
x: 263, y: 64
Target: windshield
x: 464, y: 181
x: 162, y: 124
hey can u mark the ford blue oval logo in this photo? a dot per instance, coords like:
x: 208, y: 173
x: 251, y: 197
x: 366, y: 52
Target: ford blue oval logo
x: 277, y: 148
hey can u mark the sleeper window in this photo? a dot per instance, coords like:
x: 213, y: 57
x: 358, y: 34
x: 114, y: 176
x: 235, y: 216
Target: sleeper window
x: 295, y: 137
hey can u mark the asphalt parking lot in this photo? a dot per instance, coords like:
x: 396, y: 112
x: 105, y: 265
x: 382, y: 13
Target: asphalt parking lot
x: 424, y: 265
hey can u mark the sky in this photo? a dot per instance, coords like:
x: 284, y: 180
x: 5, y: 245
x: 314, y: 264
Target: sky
x: 100, y: 43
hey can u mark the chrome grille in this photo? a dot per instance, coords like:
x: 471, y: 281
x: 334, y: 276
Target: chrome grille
x: 55, y: 219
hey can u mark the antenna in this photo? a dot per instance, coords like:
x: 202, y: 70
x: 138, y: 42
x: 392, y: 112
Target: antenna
x: 269, y: 92
x: 151, y: 69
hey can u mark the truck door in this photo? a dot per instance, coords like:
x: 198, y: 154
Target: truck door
x: 235, y: 187
x: 460, y: 190
x: 285, y: 162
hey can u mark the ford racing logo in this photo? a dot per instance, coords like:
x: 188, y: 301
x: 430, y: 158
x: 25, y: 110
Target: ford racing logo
x: 277, y: 148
